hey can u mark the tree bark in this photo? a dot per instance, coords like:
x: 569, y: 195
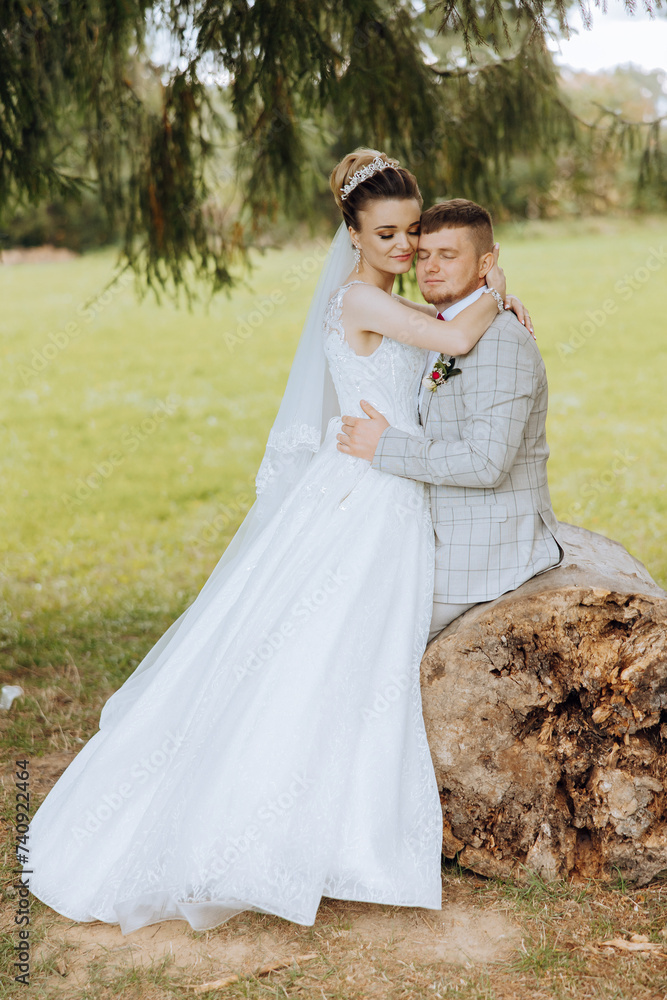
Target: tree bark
x: 546, y: 714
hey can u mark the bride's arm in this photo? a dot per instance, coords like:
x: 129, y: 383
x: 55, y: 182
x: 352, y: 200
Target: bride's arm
x: 496, y: 279
x: 419, y: 306
x: 369, y: 309
x: 512, y: 302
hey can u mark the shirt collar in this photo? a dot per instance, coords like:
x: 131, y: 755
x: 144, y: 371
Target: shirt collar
x: 451, y: 311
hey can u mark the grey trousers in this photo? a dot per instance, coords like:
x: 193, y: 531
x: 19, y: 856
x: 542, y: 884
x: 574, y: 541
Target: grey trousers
x: 443, y: 614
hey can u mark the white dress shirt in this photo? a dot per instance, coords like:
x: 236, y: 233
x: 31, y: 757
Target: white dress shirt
x: 449, y: 313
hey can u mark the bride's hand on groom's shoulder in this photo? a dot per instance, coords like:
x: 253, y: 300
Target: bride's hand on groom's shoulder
x: 521, y: 313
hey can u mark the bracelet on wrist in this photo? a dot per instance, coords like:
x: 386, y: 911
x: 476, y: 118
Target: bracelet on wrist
x: 498, y: 297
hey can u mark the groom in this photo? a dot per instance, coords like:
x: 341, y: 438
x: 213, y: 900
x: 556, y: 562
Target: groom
x: 484, y: 449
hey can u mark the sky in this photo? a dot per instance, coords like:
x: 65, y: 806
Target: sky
x: 617, y: 38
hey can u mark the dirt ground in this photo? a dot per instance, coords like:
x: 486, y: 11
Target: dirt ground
x: 459, y: 935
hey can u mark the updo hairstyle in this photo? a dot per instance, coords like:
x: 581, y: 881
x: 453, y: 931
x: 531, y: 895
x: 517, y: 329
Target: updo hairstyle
x: 393, y: 182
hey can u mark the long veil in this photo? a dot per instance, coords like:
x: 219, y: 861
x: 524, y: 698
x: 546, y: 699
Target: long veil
x: 308, y: 404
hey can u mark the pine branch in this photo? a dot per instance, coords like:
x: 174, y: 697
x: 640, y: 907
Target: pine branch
x: 189, y: 174
x: 466, y: 71
x: 613, y: 113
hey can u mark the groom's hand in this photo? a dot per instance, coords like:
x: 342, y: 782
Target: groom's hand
x: 359, y: 436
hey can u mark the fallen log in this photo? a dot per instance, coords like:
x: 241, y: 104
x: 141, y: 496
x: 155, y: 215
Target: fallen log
x: 546, y: 714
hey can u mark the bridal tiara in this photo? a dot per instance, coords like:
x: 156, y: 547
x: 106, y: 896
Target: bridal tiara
x: 359, y: 176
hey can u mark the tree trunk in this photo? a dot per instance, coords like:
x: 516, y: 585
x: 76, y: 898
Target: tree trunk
x: 543, y: 714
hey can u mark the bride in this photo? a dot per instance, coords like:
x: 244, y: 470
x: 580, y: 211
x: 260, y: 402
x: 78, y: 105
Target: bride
x: 270, y: 748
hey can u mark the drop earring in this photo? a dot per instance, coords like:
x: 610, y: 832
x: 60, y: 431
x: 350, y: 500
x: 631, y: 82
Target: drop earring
x: 357, y: 258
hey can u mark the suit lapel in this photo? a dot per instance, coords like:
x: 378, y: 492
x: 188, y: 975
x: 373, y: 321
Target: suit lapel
x: 425, y: 408
x: 441, y: 392
x: 428, y: 395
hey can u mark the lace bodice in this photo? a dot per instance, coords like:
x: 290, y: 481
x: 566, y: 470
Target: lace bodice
x: 389, y: 378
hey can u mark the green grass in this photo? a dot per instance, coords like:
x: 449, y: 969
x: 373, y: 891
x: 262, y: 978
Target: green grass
x: 168, y: 412
x: 607, y: 425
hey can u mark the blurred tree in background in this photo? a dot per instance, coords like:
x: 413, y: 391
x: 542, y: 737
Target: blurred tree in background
x: 189, y: 156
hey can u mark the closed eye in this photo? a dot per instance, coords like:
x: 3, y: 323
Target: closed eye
x: 390, y: 236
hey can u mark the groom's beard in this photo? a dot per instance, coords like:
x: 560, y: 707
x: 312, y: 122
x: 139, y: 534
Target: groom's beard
x: 441, y: 297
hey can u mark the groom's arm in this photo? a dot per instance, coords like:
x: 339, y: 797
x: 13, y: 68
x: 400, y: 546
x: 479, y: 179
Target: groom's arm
x: 498, y: 398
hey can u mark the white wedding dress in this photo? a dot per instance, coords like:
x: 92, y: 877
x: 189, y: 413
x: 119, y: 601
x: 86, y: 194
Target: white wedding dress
x: 279, y: 755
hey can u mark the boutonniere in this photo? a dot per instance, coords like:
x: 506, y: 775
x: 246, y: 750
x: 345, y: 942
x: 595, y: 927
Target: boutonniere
x: 441, y: 371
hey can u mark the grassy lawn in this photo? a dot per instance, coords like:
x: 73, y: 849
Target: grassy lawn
x: 127, y: 427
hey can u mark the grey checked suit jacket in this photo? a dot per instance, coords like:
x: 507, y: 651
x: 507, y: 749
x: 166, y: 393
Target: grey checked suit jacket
x: 484, y: 451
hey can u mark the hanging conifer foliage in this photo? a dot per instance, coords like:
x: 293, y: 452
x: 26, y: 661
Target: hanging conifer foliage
x: 192, y: 158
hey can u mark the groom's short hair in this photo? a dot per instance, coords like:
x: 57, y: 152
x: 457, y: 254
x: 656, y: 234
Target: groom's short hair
x: 458, y: 213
